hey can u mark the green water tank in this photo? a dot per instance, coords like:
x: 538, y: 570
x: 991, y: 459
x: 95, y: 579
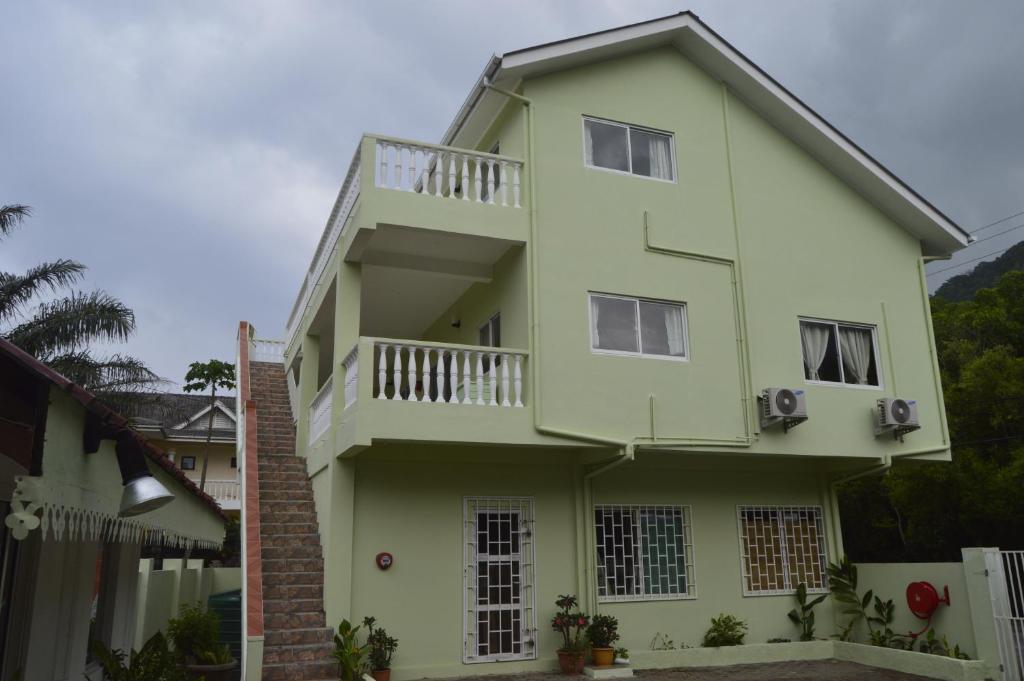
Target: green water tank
x: 228, y: 606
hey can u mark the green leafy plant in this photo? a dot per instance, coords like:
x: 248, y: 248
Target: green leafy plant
x: 203, y: 376
x: 195, y: 635
x: 804, y: 616
x: 621, y: 654
x: 933, y: 644
x: 884, y: 636
x: 842, y: 583
x: 662, y: 642
x: 603, y: 631
x: 779, y: 640
x: 153, y: 662
x: 381, y: 646
x: 350, y: 655
x: 571, y: 624
x: 726, y: 630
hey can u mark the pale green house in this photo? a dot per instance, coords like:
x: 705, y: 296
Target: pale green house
x: 533, y: 360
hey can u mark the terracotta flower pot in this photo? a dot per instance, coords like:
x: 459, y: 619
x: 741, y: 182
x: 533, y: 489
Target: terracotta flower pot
x: 603, y: 657
x: 381, y: 674
x: 211, y: 672
x: 570, y: 661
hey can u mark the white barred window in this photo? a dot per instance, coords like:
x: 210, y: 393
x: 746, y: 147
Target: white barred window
x: 500, y: 618
x: 644, y: 552
x: 781, y: 547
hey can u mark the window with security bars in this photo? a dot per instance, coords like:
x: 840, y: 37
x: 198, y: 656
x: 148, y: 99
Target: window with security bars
x: 644, y: 552
x: 500, y: 617
x: 782, y: 546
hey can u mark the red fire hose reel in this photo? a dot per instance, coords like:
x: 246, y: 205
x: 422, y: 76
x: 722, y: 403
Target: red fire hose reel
x: 923, y: 600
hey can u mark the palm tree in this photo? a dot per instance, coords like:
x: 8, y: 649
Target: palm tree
x: 59, y: 329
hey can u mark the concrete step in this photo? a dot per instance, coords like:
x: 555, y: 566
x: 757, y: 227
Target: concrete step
x: 293, y: 578
x: 298, y: 636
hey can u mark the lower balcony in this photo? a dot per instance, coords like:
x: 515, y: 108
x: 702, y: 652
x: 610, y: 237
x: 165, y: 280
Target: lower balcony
x: 227, y: 493
x: 422, y: 391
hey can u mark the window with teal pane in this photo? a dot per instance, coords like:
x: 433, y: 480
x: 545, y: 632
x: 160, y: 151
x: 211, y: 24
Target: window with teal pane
x: 644, y: 552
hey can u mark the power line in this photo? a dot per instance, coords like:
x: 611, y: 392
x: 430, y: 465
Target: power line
x: 999, y: 221
x: 993, y: 236
x: 967, y: 262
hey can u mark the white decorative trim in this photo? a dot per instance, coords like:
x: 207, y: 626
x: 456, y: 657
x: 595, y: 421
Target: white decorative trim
x: 77, y: 514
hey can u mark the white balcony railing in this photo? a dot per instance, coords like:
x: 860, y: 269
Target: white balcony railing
x: 264, y: 350
x: 447, y: 172
x: 351, y: 364
x: 223, y: 490
x: 320, y: 410
x: 414, y: 371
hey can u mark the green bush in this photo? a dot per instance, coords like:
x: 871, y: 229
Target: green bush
x: 381, y: 646
x: 726, y: 630
x: 195, y: 634
x: 154, y: 662
x: 603, y: 631
x: 350, y: 655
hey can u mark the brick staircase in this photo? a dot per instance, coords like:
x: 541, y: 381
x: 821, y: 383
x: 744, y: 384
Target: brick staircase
x: 297, y: 641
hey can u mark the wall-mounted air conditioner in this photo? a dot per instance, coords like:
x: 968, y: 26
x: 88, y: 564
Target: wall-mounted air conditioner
x: 897, y: 416
x: 782, y: 405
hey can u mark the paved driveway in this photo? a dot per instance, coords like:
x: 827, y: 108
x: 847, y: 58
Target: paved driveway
x: 820, y: 670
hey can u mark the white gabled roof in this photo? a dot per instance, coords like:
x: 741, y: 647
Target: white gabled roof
x: 939, y: 235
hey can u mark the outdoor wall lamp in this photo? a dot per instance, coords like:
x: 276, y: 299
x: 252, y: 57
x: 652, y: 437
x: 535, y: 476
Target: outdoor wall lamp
x: 142, y: 492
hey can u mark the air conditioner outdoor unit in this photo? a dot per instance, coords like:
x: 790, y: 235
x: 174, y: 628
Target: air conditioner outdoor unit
x: 782, y: 405
x: 896, y: 416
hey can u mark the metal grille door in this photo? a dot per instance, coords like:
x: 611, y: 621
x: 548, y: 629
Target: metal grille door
x: 499, y: 579
x: 1006, y: 587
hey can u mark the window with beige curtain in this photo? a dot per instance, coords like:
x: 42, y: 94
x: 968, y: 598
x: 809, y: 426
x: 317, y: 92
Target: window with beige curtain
x: 837, y: 352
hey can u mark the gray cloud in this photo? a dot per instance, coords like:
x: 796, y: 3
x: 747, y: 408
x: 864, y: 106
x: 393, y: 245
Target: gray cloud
x: 189, y: 153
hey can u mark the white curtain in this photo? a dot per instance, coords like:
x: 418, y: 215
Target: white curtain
x: 674, y: 330
x: 588, y: 143
x: 595, y: 314
x: 856, y: 348
x: 661, y: 157
x: 814, y: 339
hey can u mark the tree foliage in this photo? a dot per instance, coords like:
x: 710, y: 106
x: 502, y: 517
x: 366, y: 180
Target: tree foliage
x: 929, y: 511
x: 41, y: 313
x: 203, y: 376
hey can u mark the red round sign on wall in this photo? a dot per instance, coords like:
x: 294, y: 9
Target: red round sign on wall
x: 385, y: 560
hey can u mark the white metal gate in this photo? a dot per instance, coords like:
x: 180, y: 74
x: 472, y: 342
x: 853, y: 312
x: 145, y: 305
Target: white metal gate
x: 1006, y: 587
x: 499, y: 613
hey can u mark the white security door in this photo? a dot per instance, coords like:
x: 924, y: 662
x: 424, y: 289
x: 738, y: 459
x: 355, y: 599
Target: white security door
x: 1006, y: 587
x: 499, y: 579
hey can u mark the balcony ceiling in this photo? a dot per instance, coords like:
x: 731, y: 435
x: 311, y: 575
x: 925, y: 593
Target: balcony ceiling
x: 402, y: 303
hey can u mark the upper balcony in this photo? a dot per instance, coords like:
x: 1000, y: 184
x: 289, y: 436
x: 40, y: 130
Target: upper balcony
x: 422, y: 207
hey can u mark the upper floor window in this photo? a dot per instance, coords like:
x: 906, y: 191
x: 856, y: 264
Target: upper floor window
x: 835, y: 352
x: 635, y: 326
x: 188, y: 463
x: 628, y: 149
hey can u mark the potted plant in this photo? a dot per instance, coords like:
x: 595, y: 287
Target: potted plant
x: 621, y: 656
x: 196, y: 638
x: 602, y: 633
x: 571, y: 624
x: 381, y: 649
x: 349, y: 654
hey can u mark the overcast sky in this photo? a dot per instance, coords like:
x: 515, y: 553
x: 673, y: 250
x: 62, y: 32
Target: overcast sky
x: 190, y: 152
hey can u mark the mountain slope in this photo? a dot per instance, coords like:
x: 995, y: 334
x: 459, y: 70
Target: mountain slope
x: 985, y: 275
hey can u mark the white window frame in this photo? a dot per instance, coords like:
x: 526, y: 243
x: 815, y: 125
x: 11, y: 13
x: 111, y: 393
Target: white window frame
x: 841, y: 383
x: 639, y: 328
x: 629, y: 148
x: 689, y: 563
x: 528, y: 577
x: 788, y: 588
x: 182, y: 463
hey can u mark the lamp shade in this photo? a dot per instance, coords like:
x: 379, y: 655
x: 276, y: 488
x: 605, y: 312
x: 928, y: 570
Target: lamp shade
x: 142, y: 492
